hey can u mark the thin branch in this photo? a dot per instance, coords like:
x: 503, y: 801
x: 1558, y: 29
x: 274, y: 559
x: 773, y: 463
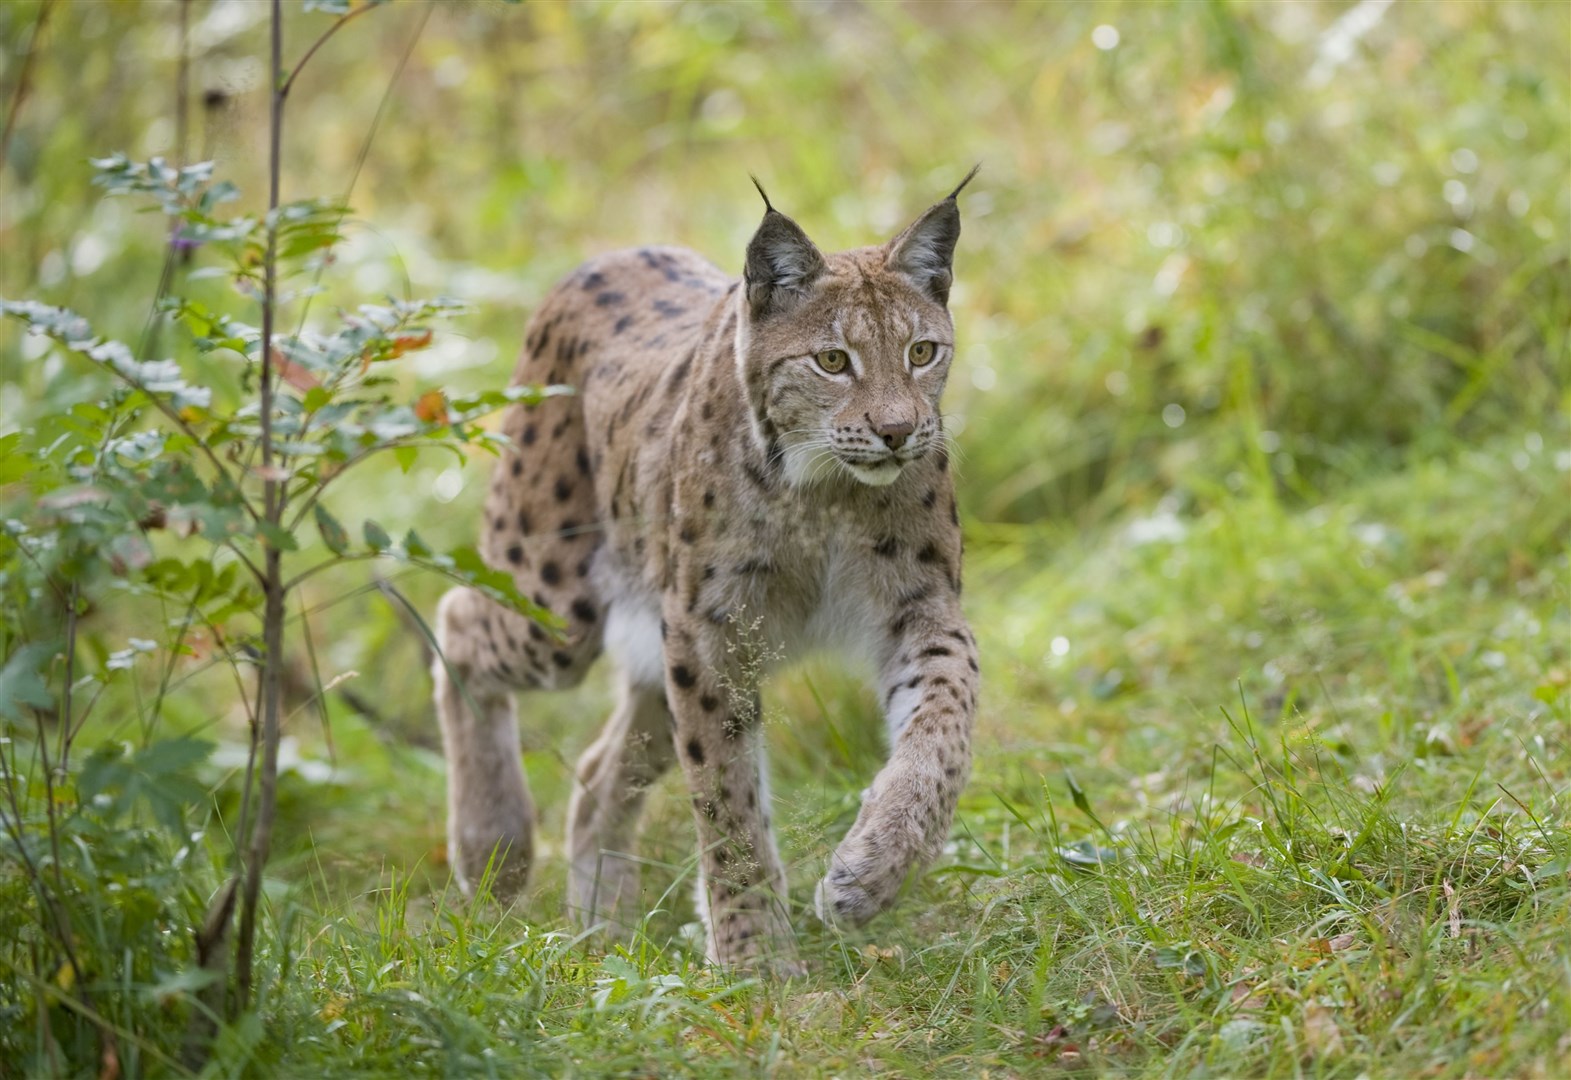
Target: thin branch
x: 23, y: 81
x: 365, y: 147
x: 283, y: 89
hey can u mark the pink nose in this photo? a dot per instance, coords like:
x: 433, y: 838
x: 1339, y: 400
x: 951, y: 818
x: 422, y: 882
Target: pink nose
x: 895, y: 435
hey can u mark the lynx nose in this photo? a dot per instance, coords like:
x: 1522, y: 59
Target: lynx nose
x: 894, y: 435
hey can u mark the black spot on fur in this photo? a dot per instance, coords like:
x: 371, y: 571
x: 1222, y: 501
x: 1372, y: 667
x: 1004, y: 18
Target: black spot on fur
x: 528, y: 436
x: 936, y: 650
x: 667, y: 309
x: 929, y: 554
x: 695, y: 751
x: 562, y: 659
x: 535, y: 632
x: 708, y: 702
x: 954, y: 512
x: 608, y: 298
x: 583, y: 566
x: 622, y: 324
x: 755, y: 566
x: 563, y: 489
x: 583, y: 609
x: 593, y: 280
x: 515, y: 554
x: 686, y: 534
x: 582, y: 459
x: 887, y: 547
x: 518, y: 467
x: 930, y: 498
x: 707, y: 410
x: 683, y: 677
x: 709, y: 500
x: 551, y: 573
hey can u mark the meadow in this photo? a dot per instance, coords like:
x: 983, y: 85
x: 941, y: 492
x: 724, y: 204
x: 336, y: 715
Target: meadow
x: 1263, y: 429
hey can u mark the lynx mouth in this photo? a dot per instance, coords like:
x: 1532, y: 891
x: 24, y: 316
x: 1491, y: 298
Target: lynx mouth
x: 878, y: 473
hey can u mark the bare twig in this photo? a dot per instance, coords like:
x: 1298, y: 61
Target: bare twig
x: 343, y: 20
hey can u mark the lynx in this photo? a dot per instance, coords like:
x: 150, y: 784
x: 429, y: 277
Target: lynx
x: 748, y: 469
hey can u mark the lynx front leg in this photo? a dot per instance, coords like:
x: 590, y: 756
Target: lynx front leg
x: 928, y: 683
x: 719, y: 743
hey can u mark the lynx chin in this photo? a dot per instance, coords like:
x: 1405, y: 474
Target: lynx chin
x: 749, y: 469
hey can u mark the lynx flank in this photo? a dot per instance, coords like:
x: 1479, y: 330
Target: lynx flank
x: 749, y: 470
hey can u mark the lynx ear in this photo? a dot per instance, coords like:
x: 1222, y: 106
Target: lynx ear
x: 925, y: 252
x: 782, y: 263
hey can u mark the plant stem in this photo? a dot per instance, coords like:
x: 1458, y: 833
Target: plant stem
x: 273, y: 585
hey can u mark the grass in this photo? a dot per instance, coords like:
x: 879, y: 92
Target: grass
x: 1266, y: 481
x: 1279, y: 791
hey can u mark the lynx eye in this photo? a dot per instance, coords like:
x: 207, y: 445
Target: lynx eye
x: 922, y: 353
x: 833, y: 361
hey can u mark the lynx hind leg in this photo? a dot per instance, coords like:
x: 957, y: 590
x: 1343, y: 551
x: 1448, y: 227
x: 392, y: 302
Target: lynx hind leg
x: 634, y: 749
x: 486, y: 652
x: 489, y: 812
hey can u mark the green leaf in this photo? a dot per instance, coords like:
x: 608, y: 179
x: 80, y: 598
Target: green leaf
x: 172, y: 756
x: 376, y: 537
x: 416, y: 547
x: 405, y: 456
x: 276, y: 536
x: 332, y: 533
x: 21, y: 682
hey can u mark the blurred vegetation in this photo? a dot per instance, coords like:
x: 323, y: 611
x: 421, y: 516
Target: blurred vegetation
x: 1261, y: 394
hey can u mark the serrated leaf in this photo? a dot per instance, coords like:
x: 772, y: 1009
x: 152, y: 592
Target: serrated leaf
x: 333, y: 534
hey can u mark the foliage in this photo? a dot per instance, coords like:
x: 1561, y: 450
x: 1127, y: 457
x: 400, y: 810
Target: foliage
x: 1261, y: 400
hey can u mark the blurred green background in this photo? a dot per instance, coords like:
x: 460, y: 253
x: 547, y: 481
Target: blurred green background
x: 1209, y: 241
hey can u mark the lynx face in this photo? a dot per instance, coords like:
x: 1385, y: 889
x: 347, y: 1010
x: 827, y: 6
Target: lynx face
x: 845, y: 356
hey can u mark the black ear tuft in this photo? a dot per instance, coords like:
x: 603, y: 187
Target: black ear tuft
x: 782, y: 263
x: 952, y: 195
x: 925, y: 252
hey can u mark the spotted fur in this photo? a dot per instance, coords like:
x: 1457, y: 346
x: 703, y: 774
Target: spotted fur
x: 711, y: 501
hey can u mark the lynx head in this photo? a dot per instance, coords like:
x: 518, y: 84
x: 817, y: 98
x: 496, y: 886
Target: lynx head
x: 844, y: 356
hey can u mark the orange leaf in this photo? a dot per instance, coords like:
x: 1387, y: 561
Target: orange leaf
x: 432, y: 406
x: 410, y: 342
x: 293, y: 374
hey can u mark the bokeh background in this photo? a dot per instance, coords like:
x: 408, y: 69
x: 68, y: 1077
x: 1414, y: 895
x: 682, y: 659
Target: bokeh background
x: 1261, y: 388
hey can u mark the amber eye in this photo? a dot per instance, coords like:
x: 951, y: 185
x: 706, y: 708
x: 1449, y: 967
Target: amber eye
x: 922, y: 353
x: 833, y: 361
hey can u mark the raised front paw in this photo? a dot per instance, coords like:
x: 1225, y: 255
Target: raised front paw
x: 856, y: 888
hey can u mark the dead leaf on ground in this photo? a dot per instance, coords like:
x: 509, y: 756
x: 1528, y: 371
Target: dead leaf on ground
x: 1321, y: 1032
